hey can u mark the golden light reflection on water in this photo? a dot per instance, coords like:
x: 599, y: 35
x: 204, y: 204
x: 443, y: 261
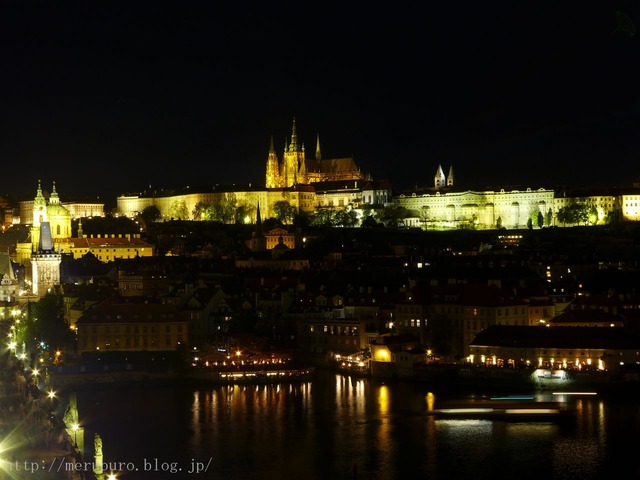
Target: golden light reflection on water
x: 383, y: 399
x: 362, y: 422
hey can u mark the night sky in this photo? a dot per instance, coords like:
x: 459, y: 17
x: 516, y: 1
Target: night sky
x: 108, y: 98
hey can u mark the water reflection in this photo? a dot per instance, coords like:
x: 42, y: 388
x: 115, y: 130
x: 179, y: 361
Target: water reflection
x: 341, y: 427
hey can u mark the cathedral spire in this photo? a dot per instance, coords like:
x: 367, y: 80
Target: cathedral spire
x: 318, y: 156
x: 271, y: 149
x: 294, y: 137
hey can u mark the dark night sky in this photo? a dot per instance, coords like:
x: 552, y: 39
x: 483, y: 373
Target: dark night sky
x: 109, y: 97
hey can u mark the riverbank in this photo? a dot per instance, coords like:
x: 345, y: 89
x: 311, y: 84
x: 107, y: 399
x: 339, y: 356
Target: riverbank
x: 89, y: 376
x: 35, y: 444
x: 466, y: 378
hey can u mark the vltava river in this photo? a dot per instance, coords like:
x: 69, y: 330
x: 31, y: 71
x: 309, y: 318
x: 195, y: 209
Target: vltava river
x: 339, y: 427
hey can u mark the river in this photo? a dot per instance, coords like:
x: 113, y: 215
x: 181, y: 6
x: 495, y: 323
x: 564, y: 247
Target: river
x: 338, y: 427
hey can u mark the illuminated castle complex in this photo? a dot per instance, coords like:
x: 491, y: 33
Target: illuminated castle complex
x: 315, y: 184
x: 295, y: 168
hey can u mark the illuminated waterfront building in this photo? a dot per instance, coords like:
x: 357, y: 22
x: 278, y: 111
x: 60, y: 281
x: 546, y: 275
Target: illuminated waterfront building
x: 131, y: 327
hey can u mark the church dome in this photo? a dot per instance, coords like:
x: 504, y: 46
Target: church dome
x: 57, y: 211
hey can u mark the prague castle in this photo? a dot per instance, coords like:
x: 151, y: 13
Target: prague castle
x: 313, y: 184
x: 305, y: 183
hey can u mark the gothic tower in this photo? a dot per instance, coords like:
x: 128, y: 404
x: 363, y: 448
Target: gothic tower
x: 45, y: 263
x: 258, y: 241
x: 273, y: 170
x: 293, y: 160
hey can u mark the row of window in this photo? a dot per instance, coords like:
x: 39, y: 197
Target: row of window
x: 458, y: 310
x: 137, y: 329
x: 128, y: 342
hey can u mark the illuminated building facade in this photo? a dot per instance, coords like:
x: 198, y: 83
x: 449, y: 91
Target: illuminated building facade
x: 295, y: 168
x: 630, y: 205
x: 45, y: 262
x: 9, y: 284
x: 601, y: 204
x: 48, y: 237
x: 444, y: 207
x: 76, y: 209
x: 107, y: 248
x: 301, y: 197
x: 555, y: 347
x: 113, y: 326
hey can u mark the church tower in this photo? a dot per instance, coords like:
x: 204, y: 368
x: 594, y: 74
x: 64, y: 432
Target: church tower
x: 273, y: 170
x: 439, y: 179
x: 293, y: 159
x: 258, y: 241
x: 39, y: 215
x: 58, y: 217
x: 450, y: 177
x: 45, y: 263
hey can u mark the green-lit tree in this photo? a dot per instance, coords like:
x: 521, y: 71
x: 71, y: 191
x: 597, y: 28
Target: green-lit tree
x: 540, y: 219
x: 284, y: 211
x: 45, y: 323
x: 577, y: 214
x: 244, y: 212
x: 201, y: 211
x: 346, y: 218
x: 227, y: 207
x: 178, y: 210
x: 549, y: 218
x: 324, y: 218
